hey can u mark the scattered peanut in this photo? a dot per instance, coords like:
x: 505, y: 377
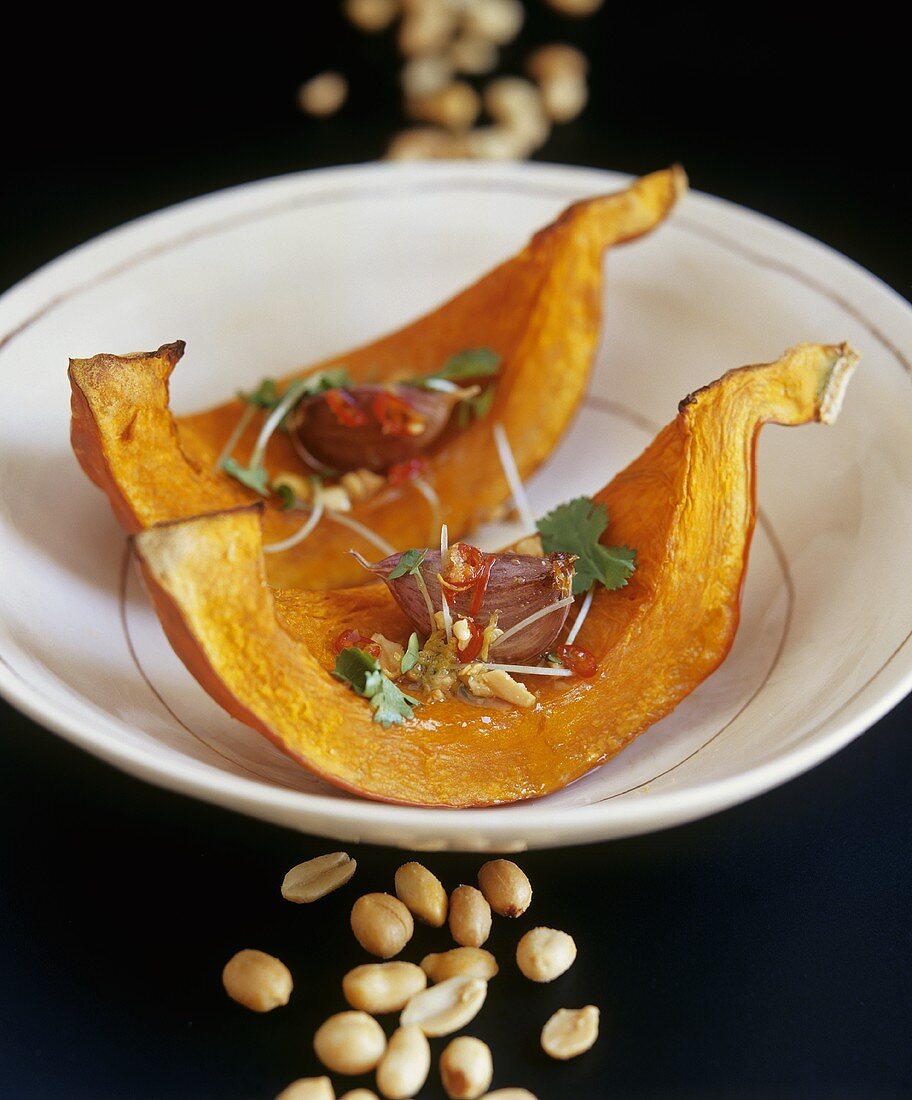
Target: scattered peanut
x: 323, y: 94
x: 473, y: 55
x: 426, y: 28
x: 391, y: 654
x: 257, y: 981
x: 506, y: 1094
x: 560, y: 72
x: 570, y: 1031
x: 308, y: 1088
x: 455, y: 106
x: 576, y: 7
x: 359, y: 1094
x: 517, y: 105
x: 466, y: 1068
x: 405, y: 1065
x: 425, y: 75
x: 425, y: 143
x: 362, y: 484
x: 470, y: 916
x: 381, y: 924
x: 298, y: 485
x: 446, y: 1007
x: 422, y: 893
x: 506, y: 887
x: 335, y: 499
x: 378, y: 988
x: 350, y: 1043
x: 318, y: 877
x: 498, y: 21
x: 543, y: 954
x: 371, y: 16
x: 469, y: 962
x: 505, y: 687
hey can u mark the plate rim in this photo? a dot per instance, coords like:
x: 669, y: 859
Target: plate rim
x: 530, y: 824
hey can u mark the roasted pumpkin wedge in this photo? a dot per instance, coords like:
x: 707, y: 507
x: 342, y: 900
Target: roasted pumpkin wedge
x: 686, y: 504
x: 539, y: 313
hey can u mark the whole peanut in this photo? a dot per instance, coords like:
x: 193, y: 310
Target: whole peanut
x: 257, y: 981
x: 382, y: 924
x: 506, y: 887
x: 470, y: 916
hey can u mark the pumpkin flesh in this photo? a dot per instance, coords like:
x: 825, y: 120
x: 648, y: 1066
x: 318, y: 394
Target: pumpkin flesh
x: 687, y: 505
x: 539, y: 311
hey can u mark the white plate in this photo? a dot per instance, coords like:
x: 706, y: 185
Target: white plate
x: 266, y: 277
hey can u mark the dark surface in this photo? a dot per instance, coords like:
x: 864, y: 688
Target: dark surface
x: 762, y: 952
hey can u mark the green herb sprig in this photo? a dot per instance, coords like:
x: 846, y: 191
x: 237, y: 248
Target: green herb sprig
x: 575, y: 528
x: 363, y: 674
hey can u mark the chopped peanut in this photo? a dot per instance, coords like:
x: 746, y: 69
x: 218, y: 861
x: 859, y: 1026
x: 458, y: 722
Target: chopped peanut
x: 505, y: 687
x: 335, y: 499
x: 298, y: 485
x: 531, y: 544
x: 462, y: 632
x: 362, y: 484
x: 391, y: 654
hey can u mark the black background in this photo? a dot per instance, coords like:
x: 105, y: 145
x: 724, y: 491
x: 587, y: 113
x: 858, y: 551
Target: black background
x: 762, y: 952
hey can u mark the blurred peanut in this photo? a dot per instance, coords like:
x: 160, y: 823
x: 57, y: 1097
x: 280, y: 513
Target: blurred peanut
x: 371, y: 16
x: 560, y: 72
x: 426, y: 28
x: 323, y: 94
x: 455, y: 106
x: 498, y: 21
x: 576, y: 7
x: 516, y: 104
x: 473, y: 55
x: 466, y: 1068
x: 362, y: 484
x: 423, y: 76
x: 257, y: 981
x: 425, y: 143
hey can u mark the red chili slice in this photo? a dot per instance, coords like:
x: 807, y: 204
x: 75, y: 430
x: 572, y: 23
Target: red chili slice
x: 354, y: 639
x: 345, y: 409
x: 481, y: 587
x: 473, y: 648
x: 406, y: 471
x: 395, y: 416
x: 464, y: 567
x: 578, y: 660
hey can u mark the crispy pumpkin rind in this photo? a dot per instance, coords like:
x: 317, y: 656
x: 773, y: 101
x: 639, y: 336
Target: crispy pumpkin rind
x: 540, y: 311
x: 686, y: 504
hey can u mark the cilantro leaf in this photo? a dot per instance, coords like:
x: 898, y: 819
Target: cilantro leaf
x: 575, y: 528
x: 334, y: 378
x: 254, y: 477
x: 410, y: 657
x: 265, y: 396
x: 475, y: 408
x: 410, y: 562
x: 389, y: 703
x: 364, y: 676
x: 353, y: 666
x: 471, y: 363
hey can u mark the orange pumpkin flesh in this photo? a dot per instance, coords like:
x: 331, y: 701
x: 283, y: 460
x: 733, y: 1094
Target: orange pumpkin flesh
x: 686, y: 504
x: 540, y: 311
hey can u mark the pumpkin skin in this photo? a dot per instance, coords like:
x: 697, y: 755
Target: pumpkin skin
x: 686, y: 504
x: 540, y: 311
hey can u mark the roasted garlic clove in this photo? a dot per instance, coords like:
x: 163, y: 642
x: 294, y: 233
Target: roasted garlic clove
x: 369, y: 427
x: 517, y: 586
